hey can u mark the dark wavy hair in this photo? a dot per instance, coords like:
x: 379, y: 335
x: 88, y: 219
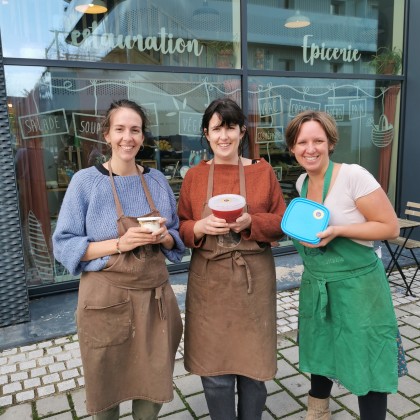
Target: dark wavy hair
x: 230, y: 113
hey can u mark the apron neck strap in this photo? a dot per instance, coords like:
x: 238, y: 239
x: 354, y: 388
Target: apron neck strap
x: 327, y: 182
x: 210, y: 180
x: 117, y: 200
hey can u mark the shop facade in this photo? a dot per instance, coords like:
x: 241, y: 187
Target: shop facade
x: 65, y: 64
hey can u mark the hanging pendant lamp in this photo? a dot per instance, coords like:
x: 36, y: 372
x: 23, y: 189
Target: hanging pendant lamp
x: 205, y: 11
x: 92, y: 7
x: 297, y: 21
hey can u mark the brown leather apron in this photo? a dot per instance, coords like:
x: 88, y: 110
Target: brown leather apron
x: 230, y: 325
x: 129, y: 324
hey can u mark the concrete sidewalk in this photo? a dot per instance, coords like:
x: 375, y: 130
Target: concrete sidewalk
x: 45, y: 380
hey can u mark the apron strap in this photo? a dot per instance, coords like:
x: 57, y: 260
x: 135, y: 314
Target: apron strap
x: 323, y: 297
x: 242, y: 189
x: 327, y: 182
x: 160, y: 298
x: 240, y: 261
x: 237, y: 255
x: 146, y: 191
x: 321, y: 282
x: 120, y: 212
x: 210, y: 182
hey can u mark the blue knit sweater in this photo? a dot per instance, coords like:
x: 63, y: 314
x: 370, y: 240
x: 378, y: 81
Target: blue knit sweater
x: 88, y: 214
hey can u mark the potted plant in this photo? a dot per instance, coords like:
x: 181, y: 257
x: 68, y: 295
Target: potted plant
x: 223, y: 52
x: 387, y: 61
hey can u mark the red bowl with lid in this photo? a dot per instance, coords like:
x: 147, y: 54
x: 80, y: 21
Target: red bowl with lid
x: 227, y: 206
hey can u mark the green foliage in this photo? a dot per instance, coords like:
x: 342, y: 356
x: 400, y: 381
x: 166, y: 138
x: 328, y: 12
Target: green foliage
x: 387, y: 61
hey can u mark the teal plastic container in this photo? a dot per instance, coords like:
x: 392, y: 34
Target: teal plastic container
x: 305, y: 218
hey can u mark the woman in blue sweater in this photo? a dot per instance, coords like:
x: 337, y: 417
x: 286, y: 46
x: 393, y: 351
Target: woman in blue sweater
x: 128, y: 320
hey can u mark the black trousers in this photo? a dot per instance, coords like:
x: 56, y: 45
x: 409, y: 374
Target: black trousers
x: 372, y: 406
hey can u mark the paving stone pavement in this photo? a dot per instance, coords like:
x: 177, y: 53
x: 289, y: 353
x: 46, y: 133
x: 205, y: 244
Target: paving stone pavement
x: 45, y: 380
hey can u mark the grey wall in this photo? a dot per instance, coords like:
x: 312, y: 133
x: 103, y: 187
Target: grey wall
x: 14, y: 304
x: 409, y: 165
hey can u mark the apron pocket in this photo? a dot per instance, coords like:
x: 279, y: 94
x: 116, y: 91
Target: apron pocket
x: 112, y: 260
x: 103, y: 326
x: 197, y: 290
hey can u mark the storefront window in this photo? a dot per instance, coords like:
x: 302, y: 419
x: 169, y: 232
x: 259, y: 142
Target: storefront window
x: 55, y: 119
x: 333, y: 36
x: 65, y: 65
x: 159, y: 32
x: 366, y: 112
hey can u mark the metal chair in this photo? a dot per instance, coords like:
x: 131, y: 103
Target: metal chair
x: 404, y: 246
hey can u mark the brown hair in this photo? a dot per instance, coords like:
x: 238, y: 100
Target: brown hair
x: 124, y: 103
x: 324, y: 119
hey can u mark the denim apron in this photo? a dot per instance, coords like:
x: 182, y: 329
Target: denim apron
x: 347, y: 324
x: 230, y: 323
x: 129, y: 324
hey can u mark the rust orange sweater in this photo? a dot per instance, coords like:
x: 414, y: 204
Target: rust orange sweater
x: 263, y: 196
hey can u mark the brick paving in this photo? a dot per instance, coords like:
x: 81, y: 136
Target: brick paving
x: 45, y: 380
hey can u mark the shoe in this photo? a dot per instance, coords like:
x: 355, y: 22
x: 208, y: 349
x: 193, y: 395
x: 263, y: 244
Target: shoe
x: 318, y: 409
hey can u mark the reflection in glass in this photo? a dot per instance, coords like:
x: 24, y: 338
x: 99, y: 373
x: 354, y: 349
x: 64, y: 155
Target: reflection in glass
x: 56, y: 126
x: 322, y: 36
x: 297, y: 21
x: 365, y: 110
x: 157, y: 32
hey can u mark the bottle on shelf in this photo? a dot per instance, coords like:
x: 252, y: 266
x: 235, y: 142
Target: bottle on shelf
x: 197, y: 158
x: 191, y: 158
x: 70, y: 169
x: 62, y: 176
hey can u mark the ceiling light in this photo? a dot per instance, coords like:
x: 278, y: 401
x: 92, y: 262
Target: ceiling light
x: 94, y: 7
x: 297, y: 21
x: 205, y: 11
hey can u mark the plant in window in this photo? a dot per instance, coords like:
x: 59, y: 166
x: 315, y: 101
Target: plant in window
x: 223, y: 51
x: 387, y: 61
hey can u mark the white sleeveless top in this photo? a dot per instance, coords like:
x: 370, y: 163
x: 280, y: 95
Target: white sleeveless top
x: 352, y: 182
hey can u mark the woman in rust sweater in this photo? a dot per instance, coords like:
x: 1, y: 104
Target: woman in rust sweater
x: 230, y: 324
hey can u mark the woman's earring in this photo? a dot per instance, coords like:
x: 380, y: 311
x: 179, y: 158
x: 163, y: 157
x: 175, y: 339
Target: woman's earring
x: 141, y: 147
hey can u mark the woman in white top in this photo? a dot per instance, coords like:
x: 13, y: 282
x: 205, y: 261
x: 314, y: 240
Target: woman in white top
x: 347, y: 326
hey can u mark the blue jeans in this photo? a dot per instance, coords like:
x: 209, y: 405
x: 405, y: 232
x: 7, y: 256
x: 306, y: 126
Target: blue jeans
x: 220, y: 396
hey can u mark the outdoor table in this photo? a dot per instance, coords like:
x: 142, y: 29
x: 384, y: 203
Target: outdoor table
x: 407, y: 227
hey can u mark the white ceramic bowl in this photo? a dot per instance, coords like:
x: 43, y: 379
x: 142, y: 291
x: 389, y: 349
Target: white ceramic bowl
x: 151, y: 223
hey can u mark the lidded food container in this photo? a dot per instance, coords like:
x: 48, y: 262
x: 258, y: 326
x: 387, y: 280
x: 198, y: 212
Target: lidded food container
x: 227, y: 206
x: 305, y: 218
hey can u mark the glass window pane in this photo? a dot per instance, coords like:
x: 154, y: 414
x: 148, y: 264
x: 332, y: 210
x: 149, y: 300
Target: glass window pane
x: 159, y: 32
x: 55, y: 116
x: 337, y: 36
x: 366, y: 112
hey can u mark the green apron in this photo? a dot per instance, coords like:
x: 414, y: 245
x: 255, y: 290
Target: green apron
x: 347, y: 324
